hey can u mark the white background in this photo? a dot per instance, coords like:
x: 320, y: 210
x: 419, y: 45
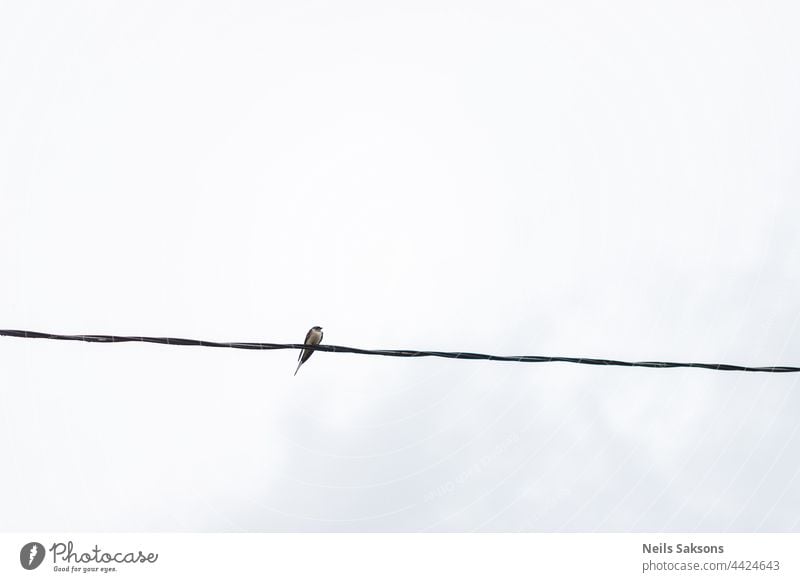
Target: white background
x: 591, y: 179
x: 356, y: 557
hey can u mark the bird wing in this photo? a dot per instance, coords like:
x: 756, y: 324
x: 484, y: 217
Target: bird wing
x: 305, y: 341
x: 312, y: 338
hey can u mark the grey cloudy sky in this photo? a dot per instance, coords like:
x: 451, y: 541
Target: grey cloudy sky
x: 574, y: 178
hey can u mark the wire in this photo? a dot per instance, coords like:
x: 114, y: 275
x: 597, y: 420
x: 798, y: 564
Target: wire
x: 172, y: 341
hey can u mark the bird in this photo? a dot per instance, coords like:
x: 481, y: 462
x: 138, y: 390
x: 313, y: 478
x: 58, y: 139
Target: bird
x: 313, y: 337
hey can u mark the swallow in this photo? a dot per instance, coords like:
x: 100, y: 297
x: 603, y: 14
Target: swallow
x: 313, y: 337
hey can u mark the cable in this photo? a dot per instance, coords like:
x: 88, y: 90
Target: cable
x: 394, y: 353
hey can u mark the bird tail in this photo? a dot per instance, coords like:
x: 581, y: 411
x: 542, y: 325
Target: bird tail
x: 298, y: 367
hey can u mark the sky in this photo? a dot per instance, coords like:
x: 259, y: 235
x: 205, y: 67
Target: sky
x: 576, y: 178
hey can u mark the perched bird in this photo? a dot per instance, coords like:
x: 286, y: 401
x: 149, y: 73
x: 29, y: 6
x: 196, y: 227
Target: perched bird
x: 313, y: 337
